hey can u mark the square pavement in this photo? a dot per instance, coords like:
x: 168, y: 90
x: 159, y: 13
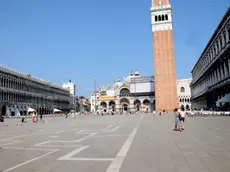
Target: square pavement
x: 118, y: 143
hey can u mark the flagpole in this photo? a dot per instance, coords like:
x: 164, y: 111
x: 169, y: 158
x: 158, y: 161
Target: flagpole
x: 95, y: 92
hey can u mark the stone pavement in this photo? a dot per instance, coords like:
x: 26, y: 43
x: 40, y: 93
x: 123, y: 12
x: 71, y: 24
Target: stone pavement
x: 133, y: 143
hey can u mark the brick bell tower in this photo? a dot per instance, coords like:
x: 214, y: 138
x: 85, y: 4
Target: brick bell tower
x: 164, y: 61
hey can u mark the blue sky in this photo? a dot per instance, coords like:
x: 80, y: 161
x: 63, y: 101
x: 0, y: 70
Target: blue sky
x: 81, y: 39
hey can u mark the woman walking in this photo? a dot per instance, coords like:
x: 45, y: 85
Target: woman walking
x: 177, y: 120
x: 182, y: 118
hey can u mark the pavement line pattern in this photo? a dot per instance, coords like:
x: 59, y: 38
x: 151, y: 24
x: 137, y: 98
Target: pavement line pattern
x: 14, y: 137
x: 115, y: 129
x: 31, y: 160
x: 58, y: 132
x: 71, y: 154
x: 102, y: 130
x: 89, y: 159
x: 114, y: 135
x: 110, y: 126
x: 42, y: 143
x: 27, y: 149
x: 118, y: 161
x: 12, y: 143
x: 52, y: 136
x: 61, y: 146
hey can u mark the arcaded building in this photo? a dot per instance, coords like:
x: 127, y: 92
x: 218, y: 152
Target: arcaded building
x: 164, y: 61
x: 211, y: 73
x: 19, y: 92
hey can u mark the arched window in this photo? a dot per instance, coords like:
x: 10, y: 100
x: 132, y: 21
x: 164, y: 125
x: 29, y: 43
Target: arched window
x: 163, y: 17
x: 182, y: 89
x: 124, y: 92
x: 166, y: 17
x: 159, y: 18
x: 155, y: 18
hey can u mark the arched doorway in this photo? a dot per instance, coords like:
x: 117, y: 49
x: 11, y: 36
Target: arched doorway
x: 3, y: 111
x: 125, y: 107
x: 187, y: 107
x: 124, y: 102
x: 146, y: 104
x: 112, y: 105
x: 104, y: 106
x: 137, y: 104
x: 182, y: 106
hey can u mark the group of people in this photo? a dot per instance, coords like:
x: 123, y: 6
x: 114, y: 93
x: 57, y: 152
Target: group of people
x: 180, y: 116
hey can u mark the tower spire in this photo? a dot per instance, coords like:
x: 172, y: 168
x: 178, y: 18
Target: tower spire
x: 156, y: 3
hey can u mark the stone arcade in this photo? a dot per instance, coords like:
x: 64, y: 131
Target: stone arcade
x: 18, y: 92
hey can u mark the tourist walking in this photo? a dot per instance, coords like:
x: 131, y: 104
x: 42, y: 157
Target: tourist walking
x: 1, y: 120
x: 177, y: 120
x: 182, y: 118
x: 41, y: 116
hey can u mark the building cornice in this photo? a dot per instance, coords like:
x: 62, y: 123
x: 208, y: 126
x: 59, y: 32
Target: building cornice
x: 213, y: 37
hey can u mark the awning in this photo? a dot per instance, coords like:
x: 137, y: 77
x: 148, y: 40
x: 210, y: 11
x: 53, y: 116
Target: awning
x: 224, y: 99
x: 31, y: 110
x: 56, y: 110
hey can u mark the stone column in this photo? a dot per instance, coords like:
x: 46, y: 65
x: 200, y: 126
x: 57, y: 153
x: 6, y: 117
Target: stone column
x: 216, y: 75
x: 219, y: 45
x: 228, y: 65
x: 222, y: 71
x: 227, y: 35
x: 222, y: 39
x: 225, y: 70
x: 212, y: 82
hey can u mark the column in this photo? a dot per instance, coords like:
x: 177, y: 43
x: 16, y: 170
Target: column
x: 222, y: 39
x: 222, y: 71
x: 213, y: 78
x: 227, y: 35
x: 217, y: 75
x: 216, y: 49
x: 225, y: 70
x: 219, y: 45
x: 228, y: 64
x: 212, y: 82
x: 219, y: 72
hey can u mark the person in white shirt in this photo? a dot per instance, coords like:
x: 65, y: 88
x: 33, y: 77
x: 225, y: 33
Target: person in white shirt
x: 182, y: 118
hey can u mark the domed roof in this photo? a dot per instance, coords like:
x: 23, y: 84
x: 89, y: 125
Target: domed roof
x: 128, y: 78
x: 137, y: 73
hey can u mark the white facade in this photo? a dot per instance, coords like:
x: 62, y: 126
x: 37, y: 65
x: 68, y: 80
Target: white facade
x: 184, y: 93
x: 71, y: 87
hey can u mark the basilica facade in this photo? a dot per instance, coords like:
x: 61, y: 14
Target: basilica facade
x: 135, y: 93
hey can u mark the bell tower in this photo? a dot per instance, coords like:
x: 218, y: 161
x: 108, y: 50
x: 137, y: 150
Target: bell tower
x: 164, y: 61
